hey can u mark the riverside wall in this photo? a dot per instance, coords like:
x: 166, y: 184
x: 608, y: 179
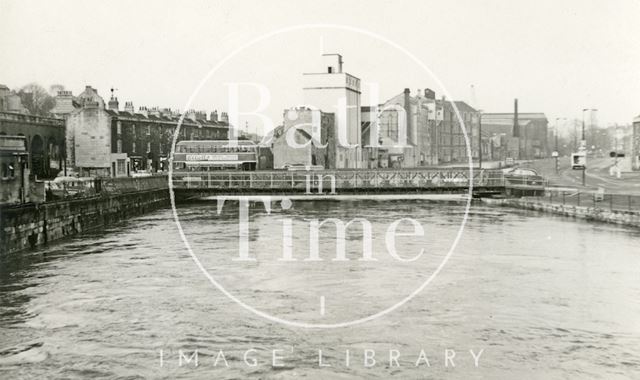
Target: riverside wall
x: 33, y: 225
x: 628, y: 218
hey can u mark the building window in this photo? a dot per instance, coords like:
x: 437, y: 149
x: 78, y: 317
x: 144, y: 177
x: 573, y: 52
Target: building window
x: 149, y: 147
x: 121, y: 167
x: 119, y: 146
x: 133, y: 147
x: 148, y: 130
x: 119, y: 128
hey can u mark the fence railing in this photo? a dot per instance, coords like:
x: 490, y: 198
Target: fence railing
x: 592, y: 199
x: 128, y: 184
x: 338, y: 179
x: 327, y: 180
x: 73, y: 188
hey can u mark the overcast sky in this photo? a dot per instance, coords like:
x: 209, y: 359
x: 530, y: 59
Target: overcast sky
x: 556, y: 57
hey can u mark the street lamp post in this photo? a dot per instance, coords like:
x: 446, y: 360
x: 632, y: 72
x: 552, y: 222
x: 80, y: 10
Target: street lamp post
x: 583, y: 145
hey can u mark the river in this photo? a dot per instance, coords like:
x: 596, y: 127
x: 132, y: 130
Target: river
x: 523, y: 295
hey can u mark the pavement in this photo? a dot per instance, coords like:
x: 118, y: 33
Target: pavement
x: 597, y: 175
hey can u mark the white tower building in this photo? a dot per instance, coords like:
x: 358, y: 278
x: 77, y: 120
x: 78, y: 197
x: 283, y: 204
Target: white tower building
x: 334, y: 91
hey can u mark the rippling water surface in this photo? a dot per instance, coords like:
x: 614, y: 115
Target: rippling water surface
x: 543, y: 296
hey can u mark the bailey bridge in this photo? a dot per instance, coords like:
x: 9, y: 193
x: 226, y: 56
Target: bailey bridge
x: 438, y: 181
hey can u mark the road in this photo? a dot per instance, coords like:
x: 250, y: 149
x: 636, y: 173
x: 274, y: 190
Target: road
x: 597, y: 175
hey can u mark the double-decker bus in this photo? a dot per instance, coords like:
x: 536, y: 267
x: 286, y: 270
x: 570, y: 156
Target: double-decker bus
x: 207, y: 155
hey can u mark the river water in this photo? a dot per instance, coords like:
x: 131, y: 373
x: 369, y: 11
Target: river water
x: 523, y: 295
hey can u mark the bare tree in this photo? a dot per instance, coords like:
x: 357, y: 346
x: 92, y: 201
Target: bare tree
x: 36, y: 99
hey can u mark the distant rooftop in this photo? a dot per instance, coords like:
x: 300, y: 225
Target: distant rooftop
x: 521, y: 115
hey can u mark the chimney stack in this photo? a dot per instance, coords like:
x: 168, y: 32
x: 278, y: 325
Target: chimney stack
x: 191, y: 115
x: 128, y: 107
x: 214, y: 116
x: 154, y: 111
x: 64, y: 102
x: 144, y: 111
x: 407, y: 110
x: 224, y: 117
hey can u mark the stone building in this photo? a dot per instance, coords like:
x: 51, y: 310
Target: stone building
x: 14, y: 170
x: 10, y: 101
x: 112, y: 142
x: 325, y: 90
x: 65, y: 103
x: 397, y: 132
x: 90, y: 95
x: 305, y: 138
x: 373, y: 154
x: 472, y: 122
x: 451, y: 143
x: 532, y: 132
x: 432, y: 133
x: 43, y: 138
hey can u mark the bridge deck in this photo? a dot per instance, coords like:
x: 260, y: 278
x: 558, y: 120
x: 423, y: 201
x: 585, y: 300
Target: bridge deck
x: 428, y: 180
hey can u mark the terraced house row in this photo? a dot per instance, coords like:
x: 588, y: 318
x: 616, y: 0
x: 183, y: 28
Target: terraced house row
x: 109, y: 141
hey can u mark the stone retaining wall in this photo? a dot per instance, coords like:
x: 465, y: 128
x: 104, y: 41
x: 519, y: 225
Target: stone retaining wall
x: 33, y: 225
x: 629, y: 218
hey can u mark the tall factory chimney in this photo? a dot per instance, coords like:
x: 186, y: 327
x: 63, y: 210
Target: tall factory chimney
x: 407, y: 110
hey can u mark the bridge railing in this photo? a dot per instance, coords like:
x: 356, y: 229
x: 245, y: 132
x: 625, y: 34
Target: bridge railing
x: 338, y: 179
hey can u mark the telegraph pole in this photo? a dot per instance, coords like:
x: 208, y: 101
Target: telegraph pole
x: 557, y: 153
x: 556, y: 148
x: 583, y: 146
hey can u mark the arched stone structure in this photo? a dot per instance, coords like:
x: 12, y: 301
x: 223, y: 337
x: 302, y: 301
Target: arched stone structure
x: 48, y: 134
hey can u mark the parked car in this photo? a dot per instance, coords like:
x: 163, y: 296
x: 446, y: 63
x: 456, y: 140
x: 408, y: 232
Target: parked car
x: 67, y: 186
x: 523, y: 177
